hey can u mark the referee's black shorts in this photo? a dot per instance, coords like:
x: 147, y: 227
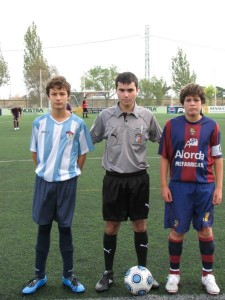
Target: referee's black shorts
x: 125, y: 196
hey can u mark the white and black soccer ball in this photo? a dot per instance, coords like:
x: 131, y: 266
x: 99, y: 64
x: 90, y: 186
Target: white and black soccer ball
x: 138, y: 280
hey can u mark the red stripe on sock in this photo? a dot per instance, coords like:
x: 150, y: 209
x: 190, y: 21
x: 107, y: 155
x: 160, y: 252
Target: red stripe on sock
x: 208, y: 258
x: 208, y: 239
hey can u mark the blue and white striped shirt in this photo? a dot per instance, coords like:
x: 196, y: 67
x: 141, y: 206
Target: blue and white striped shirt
x: 58, y: 146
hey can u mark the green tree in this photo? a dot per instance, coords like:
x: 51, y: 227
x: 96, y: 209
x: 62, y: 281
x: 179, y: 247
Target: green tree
x: 100, y: 79
x: 159, y: 89
x: 152, y: 91
x: 145, y: 94
x: 36, y: 69
x: 4, y: 73
x: 181, y: 74
x: 211, y: 93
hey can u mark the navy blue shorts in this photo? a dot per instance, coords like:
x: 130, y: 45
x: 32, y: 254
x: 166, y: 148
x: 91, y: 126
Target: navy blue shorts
x: 125, y: 196
x: 192, y: 202
x: 54, y: 201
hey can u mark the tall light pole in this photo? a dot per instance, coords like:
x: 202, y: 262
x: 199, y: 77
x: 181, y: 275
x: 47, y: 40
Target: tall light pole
x: 147, y: 67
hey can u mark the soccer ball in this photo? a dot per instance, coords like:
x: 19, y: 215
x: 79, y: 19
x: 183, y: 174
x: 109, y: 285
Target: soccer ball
x: 138, y: 280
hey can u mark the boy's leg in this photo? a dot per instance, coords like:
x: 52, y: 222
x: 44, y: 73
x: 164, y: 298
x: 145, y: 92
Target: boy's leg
x: 42, y: 249
x: 175, y: 247
x: 66, y: 249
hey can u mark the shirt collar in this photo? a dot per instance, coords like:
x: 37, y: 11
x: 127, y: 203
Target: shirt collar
x: 119, y: 112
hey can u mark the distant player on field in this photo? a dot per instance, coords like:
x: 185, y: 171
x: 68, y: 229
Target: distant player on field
x: 59, y: 143
x: 85, y: 107
x: 68, y: 107
x: 189, y: 149
x: 16, y: 113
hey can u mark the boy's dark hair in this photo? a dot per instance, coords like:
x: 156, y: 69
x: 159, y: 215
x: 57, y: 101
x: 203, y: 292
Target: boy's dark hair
x: 126, y: 78
x: 192, y: 89
x: 58, y: 82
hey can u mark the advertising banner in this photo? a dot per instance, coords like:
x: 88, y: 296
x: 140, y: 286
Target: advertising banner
x: 175, y: 110
x: 213, y: 109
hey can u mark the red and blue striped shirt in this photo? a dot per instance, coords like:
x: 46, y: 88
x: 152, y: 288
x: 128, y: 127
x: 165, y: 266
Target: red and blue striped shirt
x: 191, y: 149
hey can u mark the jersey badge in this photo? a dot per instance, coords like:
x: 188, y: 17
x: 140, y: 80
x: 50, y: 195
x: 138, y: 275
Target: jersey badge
x: 138, y: 138
x: 192, y: 131
x: 69, y: 135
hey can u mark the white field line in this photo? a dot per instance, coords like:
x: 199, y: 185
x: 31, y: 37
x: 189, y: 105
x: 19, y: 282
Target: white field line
x: 90, y: 158
x: 156, y: 297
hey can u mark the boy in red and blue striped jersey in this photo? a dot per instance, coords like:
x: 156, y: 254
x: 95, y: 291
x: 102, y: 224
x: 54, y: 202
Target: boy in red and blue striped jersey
x: 191, y: 152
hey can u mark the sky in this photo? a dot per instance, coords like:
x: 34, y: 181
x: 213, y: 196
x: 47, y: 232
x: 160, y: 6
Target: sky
x: 78, y: 35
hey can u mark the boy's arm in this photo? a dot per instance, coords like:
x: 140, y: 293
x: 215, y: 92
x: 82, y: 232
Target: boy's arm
x: 97, y: 130
x: 218, y: 168
x: 34, y: 157
x: 165, y: 191
x: 81, y: 160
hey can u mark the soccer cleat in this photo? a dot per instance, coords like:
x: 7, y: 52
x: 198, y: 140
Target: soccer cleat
x: 172, y: 283
x: 155, y: 284
x: 105, y: 282
x: 210, y: 285
x: 73, y: 284
x: 34, y: 284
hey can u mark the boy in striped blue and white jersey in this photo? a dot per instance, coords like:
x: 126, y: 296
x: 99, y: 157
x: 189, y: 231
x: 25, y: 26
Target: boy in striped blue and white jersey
x: 59, y: 143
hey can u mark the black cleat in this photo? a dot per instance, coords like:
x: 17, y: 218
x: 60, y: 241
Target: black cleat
x: 105, y: 282
x: 155, y: 284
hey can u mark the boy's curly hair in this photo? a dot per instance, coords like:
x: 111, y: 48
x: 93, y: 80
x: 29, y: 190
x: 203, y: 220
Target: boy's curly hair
x: 192, y: 89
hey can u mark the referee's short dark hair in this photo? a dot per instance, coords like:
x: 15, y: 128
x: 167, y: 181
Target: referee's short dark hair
x: 126, y: 78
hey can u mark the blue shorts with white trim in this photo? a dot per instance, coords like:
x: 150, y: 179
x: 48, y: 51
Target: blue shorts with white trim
x: 54, y: 201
